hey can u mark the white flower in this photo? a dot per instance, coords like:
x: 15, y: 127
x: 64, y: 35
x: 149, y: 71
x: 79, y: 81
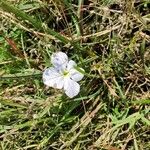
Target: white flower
x: 63, y: 74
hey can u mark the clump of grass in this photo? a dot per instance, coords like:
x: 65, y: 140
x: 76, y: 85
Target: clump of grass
x: 110, y: 40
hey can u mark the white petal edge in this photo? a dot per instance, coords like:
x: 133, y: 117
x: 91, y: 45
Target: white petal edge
x: 71, y: 87
x: 59, y: 59
x: 52, y: 78
x: 71, y: 64
x: 76, y: 75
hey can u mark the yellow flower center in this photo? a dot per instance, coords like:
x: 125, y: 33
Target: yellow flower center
x: 65, y: 72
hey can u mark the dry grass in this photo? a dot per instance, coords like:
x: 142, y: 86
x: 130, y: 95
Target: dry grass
x: 110, y: 40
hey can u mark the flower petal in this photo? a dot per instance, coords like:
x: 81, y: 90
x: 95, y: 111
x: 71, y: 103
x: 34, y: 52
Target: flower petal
x: 52, y: 78
x: 71, y: 87
x: 59, y: 59
x: 71, y: 64
x: 76, y: 75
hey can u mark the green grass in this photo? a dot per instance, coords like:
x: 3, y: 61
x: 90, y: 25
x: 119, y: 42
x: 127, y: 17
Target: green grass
x: 110, y: 40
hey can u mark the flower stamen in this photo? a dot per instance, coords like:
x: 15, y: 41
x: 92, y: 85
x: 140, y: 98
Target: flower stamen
x: 65, y: 73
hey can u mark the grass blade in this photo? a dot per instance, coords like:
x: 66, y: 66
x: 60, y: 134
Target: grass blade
x: 36, y: 23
